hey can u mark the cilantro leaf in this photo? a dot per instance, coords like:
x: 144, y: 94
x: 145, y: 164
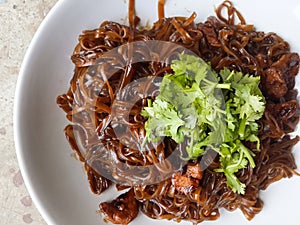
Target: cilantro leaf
x: 163, y: 121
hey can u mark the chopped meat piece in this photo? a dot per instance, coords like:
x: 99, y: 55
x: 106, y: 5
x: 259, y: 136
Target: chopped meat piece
x: 210, y: 34
x: 122, y: 210
x: 184, y: 184
x: 275, y: 84
x: 288, y: 64
x: 98, y: 183
x: 194, y: 171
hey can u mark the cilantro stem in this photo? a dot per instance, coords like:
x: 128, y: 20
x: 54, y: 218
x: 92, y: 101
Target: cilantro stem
x: 242, y: 128
x: 247, y: 153
x: 210, y: 82
x: 230, y: 75
x: 238, y: 163
x: 223, y: 86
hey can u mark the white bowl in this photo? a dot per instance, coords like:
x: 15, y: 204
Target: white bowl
x: 57, y: 182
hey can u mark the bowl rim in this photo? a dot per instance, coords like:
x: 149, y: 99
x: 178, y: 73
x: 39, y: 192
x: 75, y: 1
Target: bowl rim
x: 17, y: 116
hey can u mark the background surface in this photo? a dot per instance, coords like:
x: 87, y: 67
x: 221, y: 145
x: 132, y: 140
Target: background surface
x: 19, y: 19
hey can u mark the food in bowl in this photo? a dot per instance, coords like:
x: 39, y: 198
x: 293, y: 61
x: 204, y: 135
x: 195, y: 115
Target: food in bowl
x: 187, y: 117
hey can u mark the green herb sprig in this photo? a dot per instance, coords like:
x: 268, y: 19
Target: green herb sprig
x: 210, y: 110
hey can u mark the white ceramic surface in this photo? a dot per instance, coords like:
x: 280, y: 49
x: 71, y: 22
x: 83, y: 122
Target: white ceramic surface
x: 57, y: 182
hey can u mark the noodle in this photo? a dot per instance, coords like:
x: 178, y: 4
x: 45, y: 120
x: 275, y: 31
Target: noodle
x: 161, y: 9
x: 220, y: 41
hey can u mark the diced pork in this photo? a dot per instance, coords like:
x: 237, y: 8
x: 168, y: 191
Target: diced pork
x: 183, y: 183
x: 122, y: 210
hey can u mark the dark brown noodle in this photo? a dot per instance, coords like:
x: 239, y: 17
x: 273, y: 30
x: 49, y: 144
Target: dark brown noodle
x: 219, y: 40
